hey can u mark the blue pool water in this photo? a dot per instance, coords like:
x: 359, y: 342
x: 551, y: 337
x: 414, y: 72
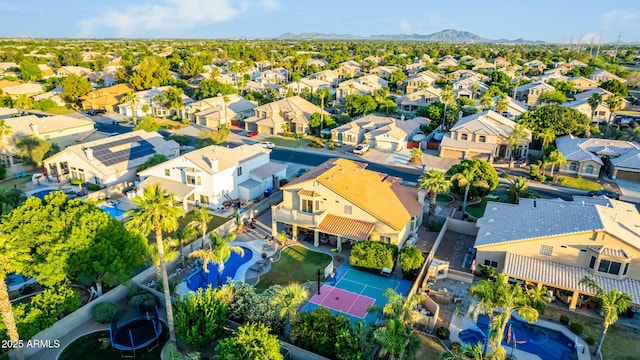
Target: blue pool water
x: 202, y: 279
x: 471, y: 336
x: 546, y: 343
x: 112, y: 211
x: 42, y: 193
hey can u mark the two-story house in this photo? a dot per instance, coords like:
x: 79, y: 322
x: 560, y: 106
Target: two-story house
x: 329, y: 76
x: 215, y: 174
x: 285, y: 115
x: 106, y: 98
x: 530, y: 93
x: 514, y: 108
x: 601, y: 76
x: 535, y: 66
x: 380, y: 132
x: 109, y: 161
x: 500, y: 62
x: 581, y: 84
x: 218, y: 111
x: 363, y: 85
x: 343, y: 201
x: 484, y: 136
x: 586, y: 157
x: 149, y: 103
x: 417, y: 82
x: 600, y: 114
x: 311, y: 85
x: 383, y: 71
x: 556, y: 244
x: 348, y: 69
x: 420, y: 98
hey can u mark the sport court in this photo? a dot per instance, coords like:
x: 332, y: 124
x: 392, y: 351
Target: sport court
x: 351, y: 291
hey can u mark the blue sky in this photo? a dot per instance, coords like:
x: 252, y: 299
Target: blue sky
x: 548, y: 20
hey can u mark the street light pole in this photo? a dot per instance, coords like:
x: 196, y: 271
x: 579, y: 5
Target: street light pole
x: 318, y: 274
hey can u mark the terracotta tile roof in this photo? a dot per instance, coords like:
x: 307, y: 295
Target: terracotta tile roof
x: 309, y: 193
x: 342, y: 226
x: 564, y: 276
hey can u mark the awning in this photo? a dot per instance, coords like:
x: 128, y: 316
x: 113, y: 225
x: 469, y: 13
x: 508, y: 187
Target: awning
x: 309, y: 193
x: 178, y: 189
x: 564, y: 276
x: 345, y: 227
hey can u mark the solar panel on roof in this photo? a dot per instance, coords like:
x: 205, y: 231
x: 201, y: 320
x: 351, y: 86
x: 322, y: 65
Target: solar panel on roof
x: 107, y: 156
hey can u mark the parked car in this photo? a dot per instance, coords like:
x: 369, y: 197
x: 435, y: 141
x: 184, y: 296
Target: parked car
x: 252, y: 134
x: 267, y: 144
x: 94, y: 112
x: 608, y: 193
x: 361, y: 149
x: 301, y: 171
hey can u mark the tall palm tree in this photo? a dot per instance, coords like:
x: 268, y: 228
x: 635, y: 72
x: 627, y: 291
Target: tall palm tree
x: 446, y: 97
x: 155, y: 212
x: 434, y: 182
x: 516, y: 189
x: 613, y: 303
x: 288, y: 300
x: 486, y: 101
x: 132, y: 99
x: 200, y: 219
x: 5, y: 133
x: 464, y: 178
x: 613, y: 103
x: 226, y: 100
x: 13, y: 256
x: 393, y: 337
x: 548, y: 136
x: 538, y: 296
x: 594, y: 100
x: 503, y: 103
x: 517, y: 135
x: 220, y: 252
x: 555, y: 158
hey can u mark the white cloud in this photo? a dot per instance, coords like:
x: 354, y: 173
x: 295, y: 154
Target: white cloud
x: 405, y: 27
x: 169, y: 15
x: 625, y: 21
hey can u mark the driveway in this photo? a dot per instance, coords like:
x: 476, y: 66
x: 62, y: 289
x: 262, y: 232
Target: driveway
x: 630, y: 190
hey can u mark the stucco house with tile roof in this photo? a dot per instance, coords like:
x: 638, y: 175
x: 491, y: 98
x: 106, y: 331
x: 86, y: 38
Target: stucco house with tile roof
x: 109, y: 161
x: 600, y: 114
x: 215, y: 112
x: 603, y: 75
x: 420, y: 98
x: 106, y: 98
x: 341, y: 201
x: 293, y: 113
x: 417, y: 82
x: 583, y: 84
x: 380, y: 132
x: 215, y: 174
x: 529, y: 93
x: 363, y: 85
x: 556, y: 243
x: 586, y: 157
x: 482, y: 136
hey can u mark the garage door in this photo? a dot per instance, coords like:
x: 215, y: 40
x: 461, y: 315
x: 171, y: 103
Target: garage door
x: 452, y: 154
x: 628, y: 175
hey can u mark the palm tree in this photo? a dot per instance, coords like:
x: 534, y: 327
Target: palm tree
x: 132, y: 99
x: 5, y: 132
x: 594, y: 101
x: 538, y: 296
x: 446, y: 96
x: 155, y: 212
x: 516, y: 189
x: 503, y: 103
x: 613, y: 303
x: 226, y: 100
x: 13, y: 256
x: 464, y: 178
x: 288, y: 300
x: 416, y: 155
x: 613, y: 103
x: 486, y: 101
x: 548, y: 136
x: 220, y: 252
x: 393, y: 337
x: 555, y: 158
x: 517, y: 135
x: 184, y: 235
x: 201, y: 218
x: 434, y: 182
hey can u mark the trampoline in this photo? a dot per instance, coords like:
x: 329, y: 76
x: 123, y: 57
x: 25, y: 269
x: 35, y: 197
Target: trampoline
x: 134, y: 334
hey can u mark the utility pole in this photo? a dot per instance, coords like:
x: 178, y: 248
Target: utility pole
x: 599, y: 43
x: 617, y: 44
x: 593, y: 38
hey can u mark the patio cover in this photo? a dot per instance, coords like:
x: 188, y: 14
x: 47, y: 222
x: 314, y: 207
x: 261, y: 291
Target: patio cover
x: 177, y: 188
x: 563, y: 276
x: 345, y: 227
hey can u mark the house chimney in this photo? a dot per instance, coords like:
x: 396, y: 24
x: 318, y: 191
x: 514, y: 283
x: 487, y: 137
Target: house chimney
x: 34, y: 130
x: 214, y: 165
x: 89, y: 153
x: 421, y: 196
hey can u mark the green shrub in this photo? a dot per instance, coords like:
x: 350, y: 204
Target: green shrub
x: 540, y: 178
x: 104, y: 312
x: 411, y: 259
x: 487, y: 271
x: 433, y: 225
x: 200, y: 318
x: 332, y: 146
x: 564, y: 320
x: 145, y: 301
x: 77, y: 182
x: 93, y: 187
x: 373, y: 255
x: 534, y: 171
x: 577, y: 328
x: 443, y: 333
x: 590, y: 341
x: 548, y: 177
x: 504, y: 175
x: 3, y: 172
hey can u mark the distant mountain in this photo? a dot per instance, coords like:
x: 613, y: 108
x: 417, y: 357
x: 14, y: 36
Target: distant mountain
x: 448, y: 35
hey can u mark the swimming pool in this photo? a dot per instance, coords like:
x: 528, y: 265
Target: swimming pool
x: 546, y: 343
x: 471, y: 336
x: 201, y: 279
x: 112, y: 211
x: 42, y: 193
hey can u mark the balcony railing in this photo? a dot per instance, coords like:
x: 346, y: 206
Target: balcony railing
x: 293, y: 216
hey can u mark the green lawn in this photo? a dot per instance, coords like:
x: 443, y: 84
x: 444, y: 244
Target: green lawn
x: 477, y: 210
x: 212, y: 224
x: 444, y: 198
x: 297, y: 264
x: 621, y: 343
x: 8, y: 183
x: 60, y: 110
x: 287, y: 142
x: 580, y: 184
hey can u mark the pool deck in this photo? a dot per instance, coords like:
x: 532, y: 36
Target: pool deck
x: 459, y: 323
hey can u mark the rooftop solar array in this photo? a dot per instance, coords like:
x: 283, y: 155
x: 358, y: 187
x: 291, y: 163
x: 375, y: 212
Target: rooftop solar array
x: 139, y: 148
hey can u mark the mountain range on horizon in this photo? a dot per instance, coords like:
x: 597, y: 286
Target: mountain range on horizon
x: 448, y: 35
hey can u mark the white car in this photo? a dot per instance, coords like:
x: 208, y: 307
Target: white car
x: 360, y: 149
x: 267, y: 144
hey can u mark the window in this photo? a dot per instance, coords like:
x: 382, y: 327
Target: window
x: 626, y: 268
x: 546, y: 250
x: 385, y: 239
x: 482, y: 138
x: 193, y: 180
x: 589, y: 169
x: 573, y: 166
x: 307, y: 206
x: 463, y: 137
x: 592, y: 263
x: 167, y: 172
x: 97, y: 180
x: 348, y: 209
x: 493, y: 264
x: 204, y: 199
x: 239, y: 170
x: 609, y: 267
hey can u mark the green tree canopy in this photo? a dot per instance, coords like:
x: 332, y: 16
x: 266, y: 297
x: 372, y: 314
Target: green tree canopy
x: 251, y: 341
x: 317, y: 331
x: 560, y: 119
x: 32, y: 149
x: 483, y: 181
x: 75, y: 86
x: 212, y: 87
x: 154, y: 160
x: 153, y: 71
x: 29, y: 71
x: 552, y: 97
x: 356, y: 104
x: 616, y: 87
x: 172, y: 98
x: 148, y: 124
x: 200, y: 317
x: 411, y: 260
x: 191, y: 67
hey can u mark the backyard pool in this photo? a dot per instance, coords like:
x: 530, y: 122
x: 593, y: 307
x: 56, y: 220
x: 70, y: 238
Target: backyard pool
x: 546, y: 343
x: 201, y: 279
x: 114, y: 212
x: 42, y: 193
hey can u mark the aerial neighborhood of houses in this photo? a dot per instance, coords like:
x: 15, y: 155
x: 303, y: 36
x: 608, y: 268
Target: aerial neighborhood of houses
x: 436, y: 170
